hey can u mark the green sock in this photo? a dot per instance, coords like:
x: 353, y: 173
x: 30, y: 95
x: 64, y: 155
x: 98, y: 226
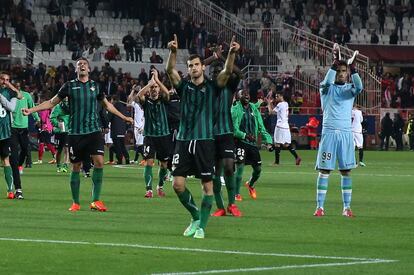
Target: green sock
x: 8, y: 176
x: 59, y: 165
x: 205, y: 210
x: 161, y: 175
x: 239, y: 175
x: 97, y: 176
x: 217, y: 192
x: 75, y: 186
x: 230, y: 188
x: 187, y: 200
x: 257, y: 170
x: 148, y: 177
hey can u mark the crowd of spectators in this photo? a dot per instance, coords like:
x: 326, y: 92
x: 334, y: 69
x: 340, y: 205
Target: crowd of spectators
x: 397, y: 90
x: 335, y: 17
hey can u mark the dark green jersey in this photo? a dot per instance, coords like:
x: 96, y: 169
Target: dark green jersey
x: 223, y: 122
x: 83, y: 100
x: 156, y: 119
x: 197, y: 110
x: 5, y: 118
x: 248, y: 124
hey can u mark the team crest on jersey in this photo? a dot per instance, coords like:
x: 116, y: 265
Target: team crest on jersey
x: 93, y: 88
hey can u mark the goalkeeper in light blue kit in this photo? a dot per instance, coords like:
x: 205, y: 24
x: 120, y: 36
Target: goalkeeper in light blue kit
x: 337, y: 98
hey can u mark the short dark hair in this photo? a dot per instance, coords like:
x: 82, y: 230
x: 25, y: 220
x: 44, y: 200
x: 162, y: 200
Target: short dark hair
x: 194, y: 56
x: 280, y: 93
x: 342, y: 63
x: 82, y: 58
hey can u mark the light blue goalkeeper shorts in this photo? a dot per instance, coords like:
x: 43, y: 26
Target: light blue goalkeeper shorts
x: 336, y: 145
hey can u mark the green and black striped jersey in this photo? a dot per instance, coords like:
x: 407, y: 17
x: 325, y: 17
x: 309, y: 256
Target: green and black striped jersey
x: 223, y: 122
x: 156, y: 119
x: 248, y: 124
x: 197, y: 110
x: 83, y: 100
x: 5, y: 117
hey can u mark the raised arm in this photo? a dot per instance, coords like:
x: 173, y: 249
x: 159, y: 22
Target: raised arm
x: 19, y: 94
x: 224, y: 75
x: 163, y: 90
x: 132, y: 95
x: 356, y: 79
x: 331, y: 74
x: 140, y: 97
x: 270, y: 106
x: 48, y: 104
x: 172, y: 61
x: 108, y: 106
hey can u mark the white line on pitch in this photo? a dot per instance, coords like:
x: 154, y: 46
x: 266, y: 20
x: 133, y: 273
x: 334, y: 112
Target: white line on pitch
x: 290, y: 172
x: 185, y: 249
x: 258, y: 269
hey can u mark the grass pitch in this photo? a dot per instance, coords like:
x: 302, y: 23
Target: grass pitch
x: 276, y: 235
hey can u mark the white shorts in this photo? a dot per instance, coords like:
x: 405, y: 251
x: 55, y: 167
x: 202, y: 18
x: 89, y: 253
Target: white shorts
x: 282, y: 136
x: 358, y: 140
x: 139, y: 137
x: 108, y: 139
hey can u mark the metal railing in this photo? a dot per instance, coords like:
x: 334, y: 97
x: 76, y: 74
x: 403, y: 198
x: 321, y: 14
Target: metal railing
x: 29, y: 56
x: 280, y: 50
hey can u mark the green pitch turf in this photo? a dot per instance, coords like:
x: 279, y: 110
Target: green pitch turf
x: 276, y: 235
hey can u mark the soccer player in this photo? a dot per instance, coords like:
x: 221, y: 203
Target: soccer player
x: 85, y: 137
x: 337, y: 98
x: 157, y: 141
x: 139, y: 122
x: 8, y: 99
x: 281, y: 136
x: 60, y: 121
x: 357, y: 119
x: 194, y: 151
x: 224, y: 140
x: 20, y: 138
x: 45, y: 135
x: 248, y: 124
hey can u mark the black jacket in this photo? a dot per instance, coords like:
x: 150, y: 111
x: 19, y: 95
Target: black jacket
x: 118, y: 126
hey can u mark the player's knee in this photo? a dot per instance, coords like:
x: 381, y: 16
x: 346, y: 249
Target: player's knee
x: 207, y: 187
x: 345, y: 173
x: 178, y: 184
x: 76, y: 167
x: 324, y: 173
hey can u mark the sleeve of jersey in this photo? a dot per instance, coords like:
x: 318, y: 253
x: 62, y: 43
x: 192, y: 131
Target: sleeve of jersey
x: 64, y: 91
x: 327, y: 82
x: 236, y: 117
x: 357, y: 86
x: 8, y: 105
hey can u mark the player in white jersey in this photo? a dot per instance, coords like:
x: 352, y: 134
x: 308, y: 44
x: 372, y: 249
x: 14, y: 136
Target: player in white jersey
x: 139, y: 122
x: 281, y: 136
x: 357, y: 119
x: 337, y: 99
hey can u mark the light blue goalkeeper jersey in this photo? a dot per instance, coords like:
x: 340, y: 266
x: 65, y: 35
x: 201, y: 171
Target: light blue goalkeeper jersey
x: 337, y: 102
